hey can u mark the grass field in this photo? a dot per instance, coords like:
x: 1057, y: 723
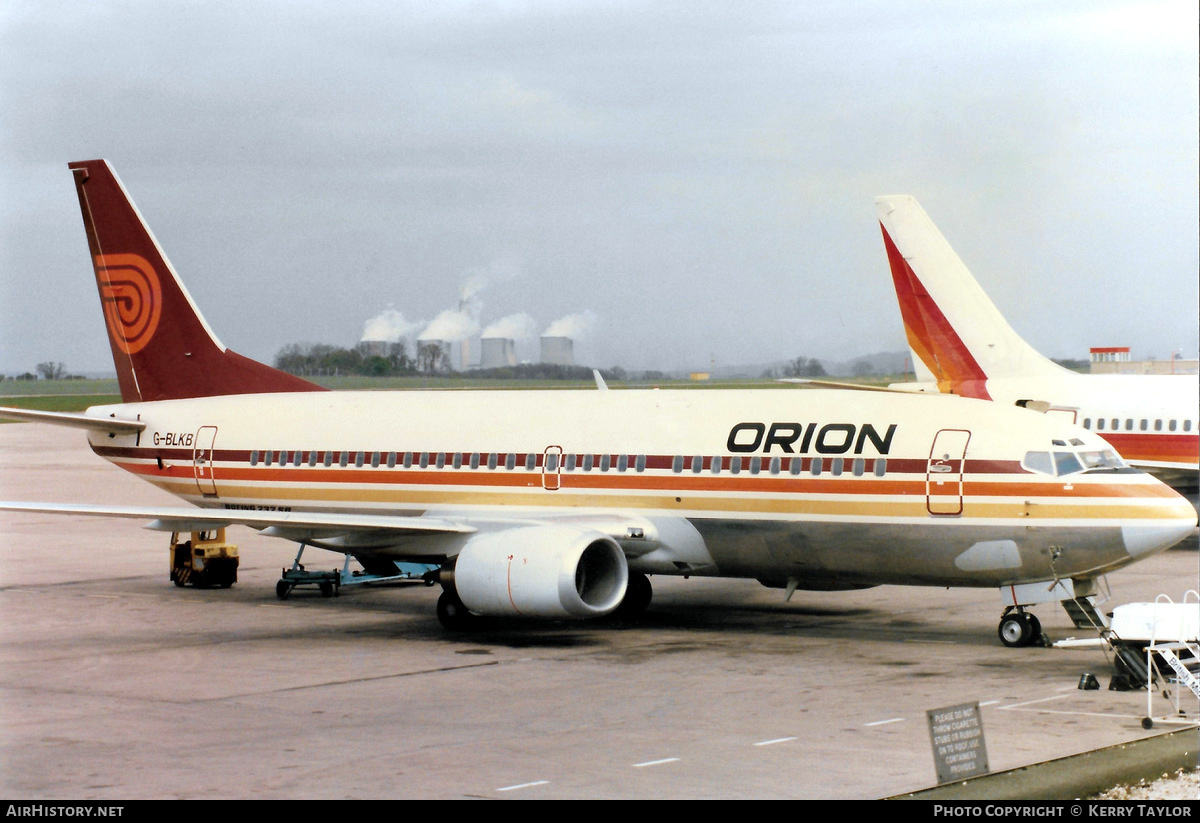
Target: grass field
x: 77, y: 395
x: 42, y: 388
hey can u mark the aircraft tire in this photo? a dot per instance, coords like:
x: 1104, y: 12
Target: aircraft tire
x: 638, y: 594
x: 1015, y: 630
x: 1036, y: 638
x: 451, y: 612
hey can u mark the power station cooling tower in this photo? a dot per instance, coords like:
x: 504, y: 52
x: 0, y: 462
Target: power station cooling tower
x: 497, y: 353
x: 557, y: 350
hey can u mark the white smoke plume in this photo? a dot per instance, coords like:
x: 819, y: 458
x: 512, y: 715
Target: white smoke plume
x: 518, y: 326
x: 575, y: 326
x: 390, y: 327
x: 457, y: 324
x: 498, y: 271
x: 452, y: 325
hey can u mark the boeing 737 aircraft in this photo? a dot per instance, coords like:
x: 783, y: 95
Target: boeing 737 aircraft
x: 558, y: 504
x: 961, y: 344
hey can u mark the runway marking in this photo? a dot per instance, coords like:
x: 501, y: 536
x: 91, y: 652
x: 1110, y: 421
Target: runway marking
x: 773, y: 742
x: 655, y: 762
x: 885, y: 722
x: 522, y: 786
x: 1021, y: 707
x: 1084, y: 714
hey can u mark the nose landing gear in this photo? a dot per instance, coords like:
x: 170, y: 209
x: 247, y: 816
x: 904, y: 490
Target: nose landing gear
x: 1019, y: 628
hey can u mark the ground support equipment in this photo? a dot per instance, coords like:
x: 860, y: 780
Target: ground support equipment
x: 203, y: 561
x: 330, y: 582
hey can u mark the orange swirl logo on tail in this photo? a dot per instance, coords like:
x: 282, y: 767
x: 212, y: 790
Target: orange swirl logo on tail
x: 132, y: 299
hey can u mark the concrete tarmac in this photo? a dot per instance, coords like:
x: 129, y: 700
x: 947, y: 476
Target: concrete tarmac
x: 116, y: 685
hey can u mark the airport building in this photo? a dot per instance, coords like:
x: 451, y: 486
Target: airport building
x: 1117, y: 360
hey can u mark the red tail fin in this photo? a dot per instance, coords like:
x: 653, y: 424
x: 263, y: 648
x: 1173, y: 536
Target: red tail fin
x: 162, y: 348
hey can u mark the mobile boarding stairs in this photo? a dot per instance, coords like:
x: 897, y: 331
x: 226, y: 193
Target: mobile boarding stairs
x: 1156, y: 646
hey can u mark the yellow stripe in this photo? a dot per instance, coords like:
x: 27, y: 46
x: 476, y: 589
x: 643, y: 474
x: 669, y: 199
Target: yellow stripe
x: 1052, y: 508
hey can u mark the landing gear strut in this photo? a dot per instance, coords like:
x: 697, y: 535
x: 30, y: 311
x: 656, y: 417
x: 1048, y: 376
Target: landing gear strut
x: 1019, y: 628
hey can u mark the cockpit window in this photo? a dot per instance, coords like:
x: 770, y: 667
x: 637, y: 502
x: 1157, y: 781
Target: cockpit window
x: 1105, y: 459
x: 1062, y: 463
x: 1066, y: 463
x: 1038, y: 462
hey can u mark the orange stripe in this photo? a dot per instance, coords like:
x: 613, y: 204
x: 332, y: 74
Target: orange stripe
x: 1035, y: 507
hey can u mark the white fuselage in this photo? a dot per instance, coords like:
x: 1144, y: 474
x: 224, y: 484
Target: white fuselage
x: 830, y: 488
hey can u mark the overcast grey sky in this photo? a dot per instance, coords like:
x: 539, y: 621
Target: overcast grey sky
x: 695, y: 179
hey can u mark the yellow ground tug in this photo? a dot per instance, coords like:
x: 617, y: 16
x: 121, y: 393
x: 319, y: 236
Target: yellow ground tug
x: 204, y: 561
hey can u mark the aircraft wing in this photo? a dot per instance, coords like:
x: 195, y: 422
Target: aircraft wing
x: 111, y: 425
x: 361, y: 534
x: 275, y: 523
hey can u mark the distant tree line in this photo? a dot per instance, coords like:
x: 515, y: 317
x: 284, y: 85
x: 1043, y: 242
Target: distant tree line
x: 800, y: 367
x: 393, y: 360
x: 1074, y: 364
x: 51, y: 370
x: 321, y: 359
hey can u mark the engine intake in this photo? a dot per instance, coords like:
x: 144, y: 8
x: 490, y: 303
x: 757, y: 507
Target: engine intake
x: 541, y: 571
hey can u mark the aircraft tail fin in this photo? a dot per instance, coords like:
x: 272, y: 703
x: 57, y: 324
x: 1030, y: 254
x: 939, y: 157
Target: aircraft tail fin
x: 161, y: 345
x: 957, y: 336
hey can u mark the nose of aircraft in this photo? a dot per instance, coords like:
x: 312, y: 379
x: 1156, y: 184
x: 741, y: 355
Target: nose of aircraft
x: 1174, y: 520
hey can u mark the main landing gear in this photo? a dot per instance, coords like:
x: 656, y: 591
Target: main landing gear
x: 1019, y: 628
x: 638, y: 593
x: 451, y: 612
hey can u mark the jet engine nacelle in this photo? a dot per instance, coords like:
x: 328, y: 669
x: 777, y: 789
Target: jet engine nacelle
x: 541, y: 571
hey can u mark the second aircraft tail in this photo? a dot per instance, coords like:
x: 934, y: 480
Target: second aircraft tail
x: 957, y: 336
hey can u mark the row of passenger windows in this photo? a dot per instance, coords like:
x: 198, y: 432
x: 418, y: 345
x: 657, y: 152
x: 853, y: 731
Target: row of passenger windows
x: 1114, y: 424
x: 697, y: 464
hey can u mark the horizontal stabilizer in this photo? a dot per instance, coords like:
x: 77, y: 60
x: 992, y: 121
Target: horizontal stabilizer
x: 894, y: 388
x: 111, y: 425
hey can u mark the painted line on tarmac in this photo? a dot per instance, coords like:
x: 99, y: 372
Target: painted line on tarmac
x: 885, y: 722
x: 776, y: 740
x: 523, y: 786
x: 1033, y: 706
x: 656, y: 762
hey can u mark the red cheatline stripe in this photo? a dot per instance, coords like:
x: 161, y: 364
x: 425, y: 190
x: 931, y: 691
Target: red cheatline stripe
x: 1168, y: 448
